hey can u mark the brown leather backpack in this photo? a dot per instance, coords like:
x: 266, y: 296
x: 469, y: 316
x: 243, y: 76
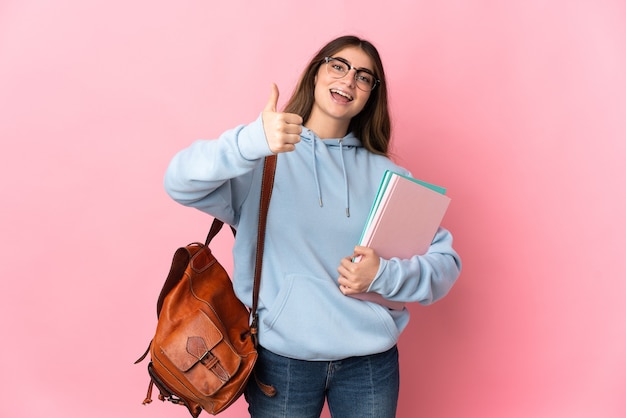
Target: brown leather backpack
x: 204, y: 348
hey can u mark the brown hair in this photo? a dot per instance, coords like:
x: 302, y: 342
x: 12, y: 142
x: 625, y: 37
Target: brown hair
x: 373, y: 124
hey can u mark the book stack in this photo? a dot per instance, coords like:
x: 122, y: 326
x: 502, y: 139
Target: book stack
x: 403, y: 221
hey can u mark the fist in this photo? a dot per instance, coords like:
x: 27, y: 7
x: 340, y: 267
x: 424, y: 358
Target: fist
x: 357, y: 272
x: 282, y: 130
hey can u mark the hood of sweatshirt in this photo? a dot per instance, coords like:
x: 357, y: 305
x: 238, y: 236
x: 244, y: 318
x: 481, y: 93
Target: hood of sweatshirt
x: 342, y: 144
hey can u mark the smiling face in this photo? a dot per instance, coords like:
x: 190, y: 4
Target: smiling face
x: 338, y: 100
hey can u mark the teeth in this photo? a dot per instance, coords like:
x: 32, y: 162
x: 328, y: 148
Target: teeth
x: 341, y: 93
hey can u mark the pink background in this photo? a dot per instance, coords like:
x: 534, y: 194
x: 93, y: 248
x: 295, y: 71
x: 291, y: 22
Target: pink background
x: 518, y: 107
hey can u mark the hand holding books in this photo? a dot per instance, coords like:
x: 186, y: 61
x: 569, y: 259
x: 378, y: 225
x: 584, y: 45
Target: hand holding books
x: 403, y: 221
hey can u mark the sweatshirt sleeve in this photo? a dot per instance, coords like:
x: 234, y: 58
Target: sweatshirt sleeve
x: 215, y: 175
x: 422, y: 278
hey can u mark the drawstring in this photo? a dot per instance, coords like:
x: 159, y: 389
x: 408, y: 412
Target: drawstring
x: 317, y: 180
x: 345, y: 178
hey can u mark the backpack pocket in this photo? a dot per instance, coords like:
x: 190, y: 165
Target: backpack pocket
x: 205, y: 359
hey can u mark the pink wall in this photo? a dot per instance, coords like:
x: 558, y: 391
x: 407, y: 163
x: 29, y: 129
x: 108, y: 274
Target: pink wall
x: 518, y: 108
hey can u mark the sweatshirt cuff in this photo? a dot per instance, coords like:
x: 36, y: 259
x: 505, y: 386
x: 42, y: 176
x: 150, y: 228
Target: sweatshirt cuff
x: 252, y: 142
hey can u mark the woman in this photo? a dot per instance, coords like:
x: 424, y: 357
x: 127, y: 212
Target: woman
x: 316, y: 342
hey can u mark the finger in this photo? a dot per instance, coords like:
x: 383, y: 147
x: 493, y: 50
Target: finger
x: 292, y: 118
x: 346, y: 290
x: 343, y: 282
x: 273, y: 100
x: 284, y: 148
x: 291, y: 129
x: 343, y: 268
x: 348, y: 264
x: 364, y: 250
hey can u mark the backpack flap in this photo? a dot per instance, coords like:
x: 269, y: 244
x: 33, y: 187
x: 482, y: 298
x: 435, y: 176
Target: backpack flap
x: 198, y: 350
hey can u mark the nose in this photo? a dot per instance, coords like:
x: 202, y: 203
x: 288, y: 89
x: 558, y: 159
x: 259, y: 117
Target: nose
x: 350, y: 79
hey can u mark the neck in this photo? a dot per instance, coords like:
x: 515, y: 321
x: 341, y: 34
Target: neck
x: 327, y: 128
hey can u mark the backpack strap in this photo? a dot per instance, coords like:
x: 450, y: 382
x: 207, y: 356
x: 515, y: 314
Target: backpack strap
x: 267, y: 184
x: 269, y: 170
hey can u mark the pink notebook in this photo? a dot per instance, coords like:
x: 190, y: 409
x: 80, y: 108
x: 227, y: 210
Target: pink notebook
x: 404, y: 220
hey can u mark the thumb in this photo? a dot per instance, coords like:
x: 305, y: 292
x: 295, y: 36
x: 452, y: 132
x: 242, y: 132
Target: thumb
x: 273, y: 100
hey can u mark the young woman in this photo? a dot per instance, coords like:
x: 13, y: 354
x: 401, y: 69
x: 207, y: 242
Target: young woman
x: 316, y: 342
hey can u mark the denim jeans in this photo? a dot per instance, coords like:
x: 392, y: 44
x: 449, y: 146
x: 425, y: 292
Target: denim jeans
x: 356, y: 387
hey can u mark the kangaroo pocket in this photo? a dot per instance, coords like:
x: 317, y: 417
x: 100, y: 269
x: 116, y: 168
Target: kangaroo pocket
x: 310, y: 318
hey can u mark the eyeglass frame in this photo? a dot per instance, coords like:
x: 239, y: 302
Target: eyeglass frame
x: 327, y: 60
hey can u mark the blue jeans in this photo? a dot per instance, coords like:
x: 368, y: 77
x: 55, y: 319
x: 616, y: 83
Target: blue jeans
x: 356, y: 387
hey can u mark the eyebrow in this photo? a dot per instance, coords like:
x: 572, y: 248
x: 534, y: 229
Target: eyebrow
x: 345, y: 61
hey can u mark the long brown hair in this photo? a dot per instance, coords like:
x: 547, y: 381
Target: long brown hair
x: 373, y: 124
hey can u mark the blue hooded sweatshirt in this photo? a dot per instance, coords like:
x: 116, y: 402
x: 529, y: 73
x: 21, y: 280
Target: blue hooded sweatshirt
x: 322, y: 195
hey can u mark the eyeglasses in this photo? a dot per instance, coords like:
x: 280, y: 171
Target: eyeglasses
x: 339, y: 68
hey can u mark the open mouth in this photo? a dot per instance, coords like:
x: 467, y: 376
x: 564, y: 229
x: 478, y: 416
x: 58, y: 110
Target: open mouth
x: 341, y: 96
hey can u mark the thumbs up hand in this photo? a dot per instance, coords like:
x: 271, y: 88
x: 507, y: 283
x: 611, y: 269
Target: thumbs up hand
x: 282, y: 130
